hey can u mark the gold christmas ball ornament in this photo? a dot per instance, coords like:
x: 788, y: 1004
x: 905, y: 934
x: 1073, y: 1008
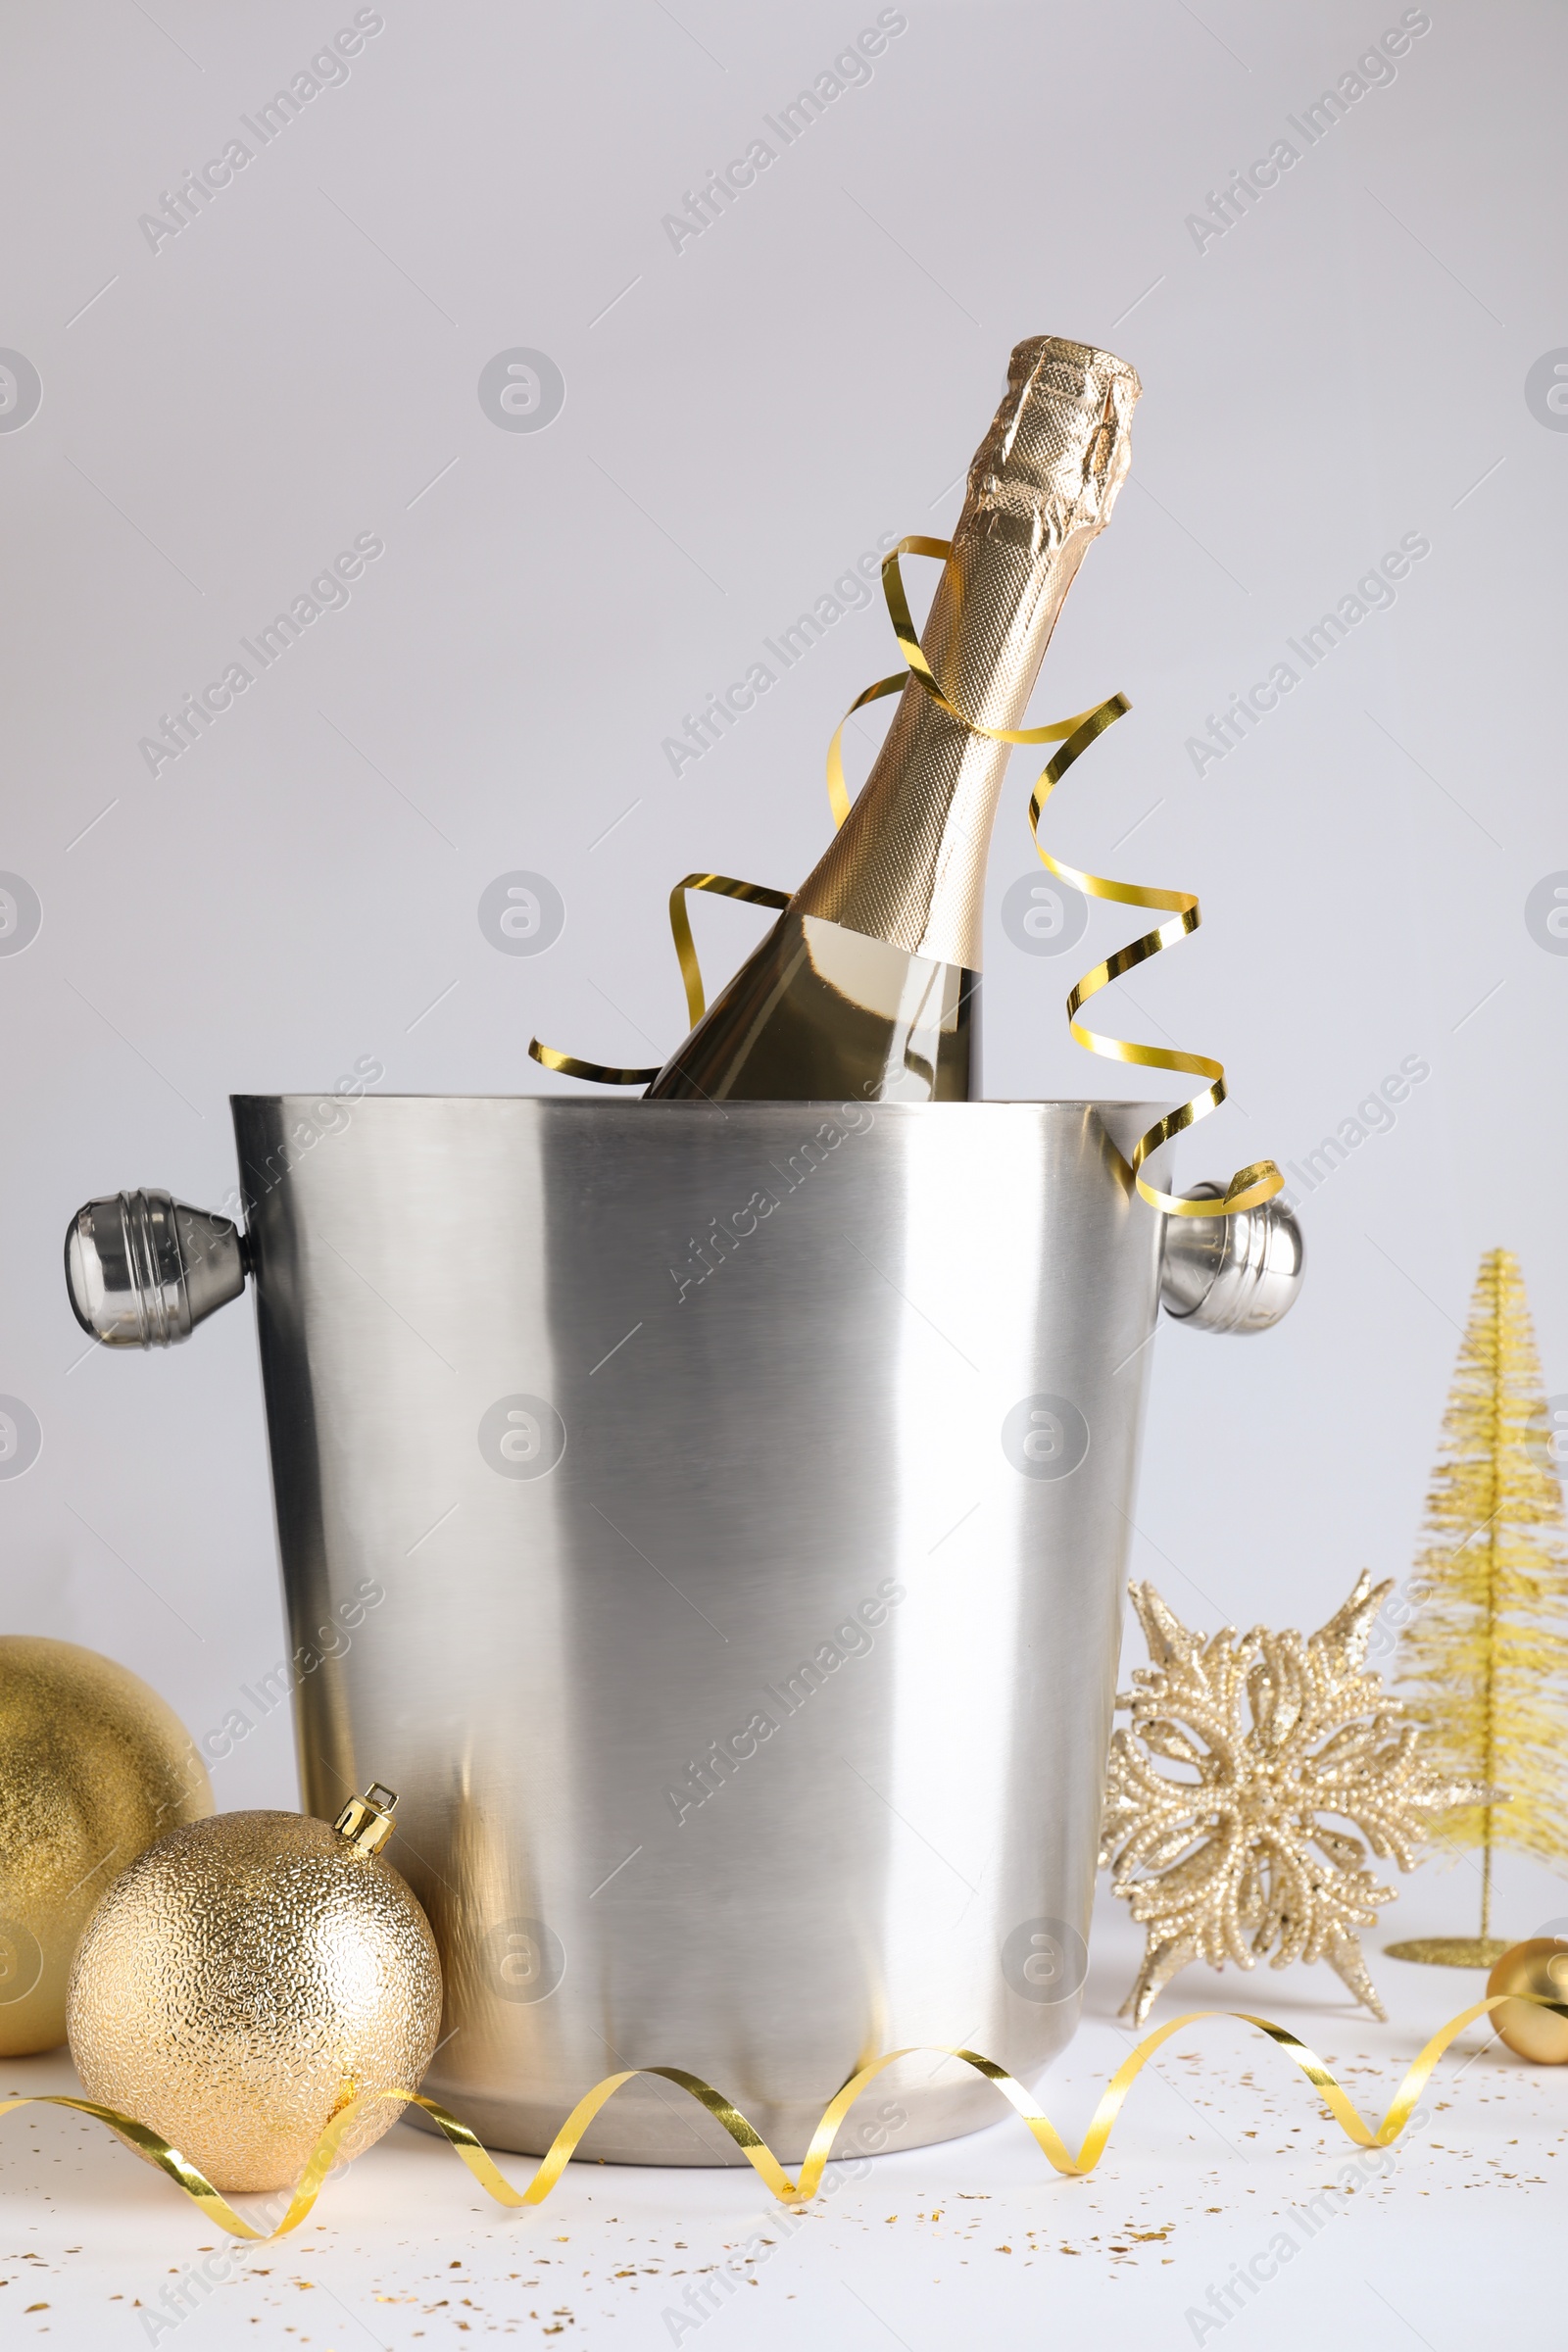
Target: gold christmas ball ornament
x: 247, y: 1978
x: 1539, y: 1967
x: 93, y: 1766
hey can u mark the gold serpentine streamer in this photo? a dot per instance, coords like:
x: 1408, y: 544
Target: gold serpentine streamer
x: 897, y: 605
x: 724, y: 886
x: 750, y: 2140
x: 1251, y: 1186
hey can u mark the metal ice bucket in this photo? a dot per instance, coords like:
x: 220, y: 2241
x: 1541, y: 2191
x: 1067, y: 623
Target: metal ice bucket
x: 730, y: 1504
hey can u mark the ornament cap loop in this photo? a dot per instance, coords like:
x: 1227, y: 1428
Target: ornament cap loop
x: 366, y: 1821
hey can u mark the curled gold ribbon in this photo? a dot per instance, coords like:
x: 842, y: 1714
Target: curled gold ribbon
x: 601, y: 1073
x: 1251, y: 1186
x: 917, y: 667
x: 724, y: 886
x: 758, y: 895
x: 755, y: 894
x: 750, y: 2140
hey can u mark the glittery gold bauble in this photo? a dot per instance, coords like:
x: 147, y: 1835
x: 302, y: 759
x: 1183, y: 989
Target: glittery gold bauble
x: 244, y: 1981
x: 1541, y: 1966
x: 93, y: 1766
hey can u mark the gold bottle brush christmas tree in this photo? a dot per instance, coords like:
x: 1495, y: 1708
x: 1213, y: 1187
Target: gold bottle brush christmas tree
x: 868, y: 984
x: 1486, y: 1660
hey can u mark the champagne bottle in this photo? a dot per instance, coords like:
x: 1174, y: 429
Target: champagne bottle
x: 868, y: 984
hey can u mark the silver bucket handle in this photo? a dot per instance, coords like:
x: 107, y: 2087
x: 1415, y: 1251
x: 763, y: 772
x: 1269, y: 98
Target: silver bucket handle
x: 1237, y: 1274
x: 143, y: 1270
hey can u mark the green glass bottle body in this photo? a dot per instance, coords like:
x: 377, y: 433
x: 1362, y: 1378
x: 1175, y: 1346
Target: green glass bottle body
x: 818, y: 1011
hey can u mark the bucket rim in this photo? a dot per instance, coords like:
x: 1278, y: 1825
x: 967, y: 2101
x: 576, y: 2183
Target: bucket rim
x: 730, y: 1107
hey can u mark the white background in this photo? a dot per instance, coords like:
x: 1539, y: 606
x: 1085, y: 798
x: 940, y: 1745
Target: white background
x: 742, y: 418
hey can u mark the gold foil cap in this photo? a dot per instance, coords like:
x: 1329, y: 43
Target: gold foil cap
x: 366, y: 1821
x: 909, y: 865
x: 1057, y: 449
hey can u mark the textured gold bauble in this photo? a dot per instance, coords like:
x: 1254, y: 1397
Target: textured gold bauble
x: 93, y: 1766
x: 242, y: 1981
x: 1541, y: 1966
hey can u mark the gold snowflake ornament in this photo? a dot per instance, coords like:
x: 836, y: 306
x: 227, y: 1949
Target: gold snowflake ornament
x: 1231, y: 1858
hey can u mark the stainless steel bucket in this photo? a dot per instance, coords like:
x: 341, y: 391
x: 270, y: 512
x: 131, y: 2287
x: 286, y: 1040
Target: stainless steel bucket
x: 729, y: 1505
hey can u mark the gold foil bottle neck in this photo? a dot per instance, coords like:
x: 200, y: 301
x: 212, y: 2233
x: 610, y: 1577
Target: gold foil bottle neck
x: 909, y: 864
x: 366, y: 1821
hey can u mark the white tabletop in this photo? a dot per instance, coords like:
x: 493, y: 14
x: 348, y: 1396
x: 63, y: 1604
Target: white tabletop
x: 1223, y: 2165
